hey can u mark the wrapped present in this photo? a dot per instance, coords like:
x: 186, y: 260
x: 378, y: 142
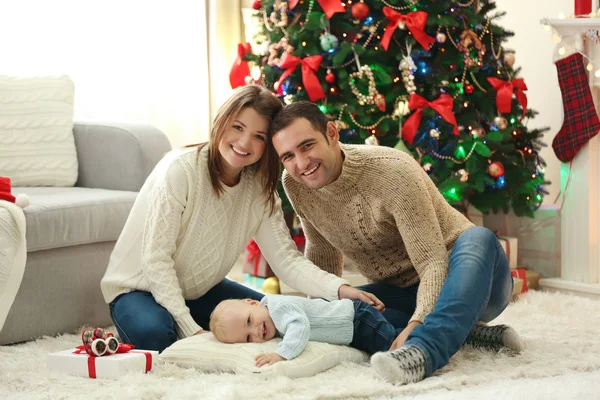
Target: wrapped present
x: 78, y: 362
x: 533, y: 279
x: 255, y: 263
x: 300, y: 240
x: 520, y: 273
x: 253, y: 281
x: 518, y: 288
x: 510, y: 246
x: 539, y: 237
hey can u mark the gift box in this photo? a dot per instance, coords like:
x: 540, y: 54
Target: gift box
x: 533, y: 279
x: 539, y: 238
x: 255, y: 282
x: 520, y: 273
x: 510, y: 246
x: 77, y: 362
x: 254, y: 262
x: 518, y: 288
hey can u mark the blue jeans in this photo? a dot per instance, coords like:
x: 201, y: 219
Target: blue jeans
x: 372, y: 332
x: 141, y: 321
x: 478, y: 288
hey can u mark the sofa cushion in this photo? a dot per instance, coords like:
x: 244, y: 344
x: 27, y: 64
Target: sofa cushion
x: 37, y: 147
x: 61, y: 217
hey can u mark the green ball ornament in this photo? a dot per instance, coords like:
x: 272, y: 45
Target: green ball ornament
x: 329, y: 41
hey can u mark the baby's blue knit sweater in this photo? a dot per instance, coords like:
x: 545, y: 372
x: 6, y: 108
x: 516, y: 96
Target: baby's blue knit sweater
x: 298, y: 320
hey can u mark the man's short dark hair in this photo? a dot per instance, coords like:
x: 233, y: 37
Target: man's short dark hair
x: 300, y: 109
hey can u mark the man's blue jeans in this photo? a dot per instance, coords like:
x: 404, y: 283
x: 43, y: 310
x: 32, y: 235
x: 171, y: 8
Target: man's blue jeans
x: 372, y: 332
x: 141, y: 321
x: 478, y: 288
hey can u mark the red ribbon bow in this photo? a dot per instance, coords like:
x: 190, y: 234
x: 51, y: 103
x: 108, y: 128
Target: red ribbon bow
x: 443, y: 105
x: 240, y: 69
x: 504, y: 92
x: 415, y: 22
x: 309, y: 64
x: 330, y: 7
x: 253, y: 254
x: 123, y: 348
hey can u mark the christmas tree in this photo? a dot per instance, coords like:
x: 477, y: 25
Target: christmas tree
x: 428, y: 77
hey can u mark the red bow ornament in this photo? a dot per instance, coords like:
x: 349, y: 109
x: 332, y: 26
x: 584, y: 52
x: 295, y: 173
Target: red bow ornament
x: 504, y: 93
x: 330, y: 7
x: 240, y: 69
x: 443, y: 105
x: 415, y: 22
x: 309, y: 64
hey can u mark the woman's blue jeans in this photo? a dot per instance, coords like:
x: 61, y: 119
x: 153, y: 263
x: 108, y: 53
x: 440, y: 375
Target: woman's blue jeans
x: 141, y: 321
x: 478, y: 288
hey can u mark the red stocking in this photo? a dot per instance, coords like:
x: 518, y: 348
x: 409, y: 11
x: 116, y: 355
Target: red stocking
x: 581, y: 121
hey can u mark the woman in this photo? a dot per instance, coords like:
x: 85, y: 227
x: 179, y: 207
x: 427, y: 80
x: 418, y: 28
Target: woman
x: 192, y: 220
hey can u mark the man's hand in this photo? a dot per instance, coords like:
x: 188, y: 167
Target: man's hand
x: 201, y: 331
x: 349, y: 292
x: 268, y: 359
x: 399, y: 342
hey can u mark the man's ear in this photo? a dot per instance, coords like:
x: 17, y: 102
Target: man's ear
x: 332, y: 132
x: 252, y: 302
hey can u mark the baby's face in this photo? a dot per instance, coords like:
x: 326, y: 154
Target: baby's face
x: 248, y: 321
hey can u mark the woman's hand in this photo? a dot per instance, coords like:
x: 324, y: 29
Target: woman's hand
x: 268, y: 359
x: 399, y: 342
x: 349, y: 292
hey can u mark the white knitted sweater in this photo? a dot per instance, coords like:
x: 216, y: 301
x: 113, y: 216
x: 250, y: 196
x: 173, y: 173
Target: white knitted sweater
x: 180, y: 240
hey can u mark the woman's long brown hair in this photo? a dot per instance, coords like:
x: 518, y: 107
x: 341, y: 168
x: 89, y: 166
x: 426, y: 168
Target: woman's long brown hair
x: 267, y: 168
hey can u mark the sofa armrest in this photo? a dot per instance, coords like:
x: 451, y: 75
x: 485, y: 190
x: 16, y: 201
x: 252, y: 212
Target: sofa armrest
x: 117, y: 156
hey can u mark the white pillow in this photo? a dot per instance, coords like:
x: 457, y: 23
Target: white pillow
x: 37, y: 147
x: 208, y: 354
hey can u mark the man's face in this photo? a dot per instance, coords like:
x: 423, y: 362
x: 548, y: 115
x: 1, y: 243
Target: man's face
x: 307, y: 155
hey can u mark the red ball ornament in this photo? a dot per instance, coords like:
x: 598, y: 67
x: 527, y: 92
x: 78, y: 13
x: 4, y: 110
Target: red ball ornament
x: 257, y: 4
x: 330, y: 77
x: 360, y: 11
x: 469, y: 89
x: 496, y: 169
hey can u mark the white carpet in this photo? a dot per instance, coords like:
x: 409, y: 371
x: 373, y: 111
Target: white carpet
x: 561, y: 361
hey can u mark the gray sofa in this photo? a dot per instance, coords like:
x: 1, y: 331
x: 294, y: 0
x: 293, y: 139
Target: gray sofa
x: 71, y: 231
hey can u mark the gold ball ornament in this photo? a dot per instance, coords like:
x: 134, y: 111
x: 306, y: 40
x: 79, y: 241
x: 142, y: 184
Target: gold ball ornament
x: 509, y: 58
x: 478, y: 133
x: 271, y: 286
x: 427, y: 167
x: 501, y: 123
x: 440, y: 37
x: 434, y: 133
x: 464, y: 175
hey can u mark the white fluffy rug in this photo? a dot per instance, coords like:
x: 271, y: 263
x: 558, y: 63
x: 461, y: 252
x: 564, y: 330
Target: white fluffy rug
x: 561, y: 361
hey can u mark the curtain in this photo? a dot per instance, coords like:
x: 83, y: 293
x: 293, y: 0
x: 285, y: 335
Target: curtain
x: 130, y: 60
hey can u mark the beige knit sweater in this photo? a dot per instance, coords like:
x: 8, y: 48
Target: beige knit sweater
x: 385, y: 214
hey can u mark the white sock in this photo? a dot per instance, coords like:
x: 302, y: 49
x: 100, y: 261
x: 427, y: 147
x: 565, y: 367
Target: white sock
x: 401, y: 366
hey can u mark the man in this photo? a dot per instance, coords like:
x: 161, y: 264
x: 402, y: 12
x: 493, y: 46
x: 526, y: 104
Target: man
x: 436, y: 273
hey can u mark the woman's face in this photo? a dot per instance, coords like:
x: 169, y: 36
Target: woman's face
x: 243, y: 142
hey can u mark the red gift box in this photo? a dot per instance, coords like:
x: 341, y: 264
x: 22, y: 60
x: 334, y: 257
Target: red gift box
x: 255, y: 263
x: 520, y: 273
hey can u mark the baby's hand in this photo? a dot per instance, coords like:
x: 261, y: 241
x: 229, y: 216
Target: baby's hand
x: 268, y: 359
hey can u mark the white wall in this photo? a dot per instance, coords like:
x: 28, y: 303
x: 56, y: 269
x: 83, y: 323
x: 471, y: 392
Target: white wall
x: 534, y: 54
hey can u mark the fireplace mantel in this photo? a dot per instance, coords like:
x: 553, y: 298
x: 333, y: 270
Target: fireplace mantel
x: 580, y: 220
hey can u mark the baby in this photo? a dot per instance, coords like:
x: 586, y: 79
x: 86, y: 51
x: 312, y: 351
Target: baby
x: 298, y: 320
